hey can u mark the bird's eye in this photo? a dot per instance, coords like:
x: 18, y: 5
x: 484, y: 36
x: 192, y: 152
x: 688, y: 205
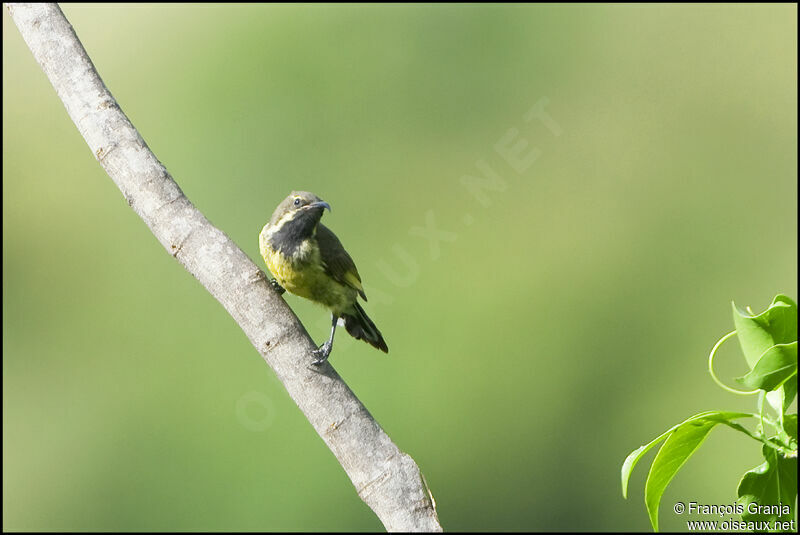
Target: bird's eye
x: 297, y: 202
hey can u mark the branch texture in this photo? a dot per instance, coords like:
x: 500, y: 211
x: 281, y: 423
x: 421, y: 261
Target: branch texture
x: 387, y: 479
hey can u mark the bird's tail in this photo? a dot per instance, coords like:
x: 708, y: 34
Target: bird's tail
x: 361, y: 327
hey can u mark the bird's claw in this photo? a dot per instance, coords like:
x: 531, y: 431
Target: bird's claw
x: 321, y: 353
x: 277, y: 287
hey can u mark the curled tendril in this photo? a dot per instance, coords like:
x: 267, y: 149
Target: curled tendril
x: 711, y: 369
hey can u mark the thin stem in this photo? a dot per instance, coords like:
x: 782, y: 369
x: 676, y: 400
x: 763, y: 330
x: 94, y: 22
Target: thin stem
x: 758, y: 437
x: 714, y: 376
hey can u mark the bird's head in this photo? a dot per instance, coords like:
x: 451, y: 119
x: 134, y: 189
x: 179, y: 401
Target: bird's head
x: 299, y: 205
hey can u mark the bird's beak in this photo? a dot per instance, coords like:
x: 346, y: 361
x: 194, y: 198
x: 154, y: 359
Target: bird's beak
x: 319, y: 204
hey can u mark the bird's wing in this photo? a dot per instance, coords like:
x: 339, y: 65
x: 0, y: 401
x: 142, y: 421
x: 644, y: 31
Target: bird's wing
x: 337, y: 262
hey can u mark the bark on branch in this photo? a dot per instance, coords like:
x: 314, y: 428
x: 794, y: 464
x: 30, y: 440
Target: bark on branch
x: 387, y: 479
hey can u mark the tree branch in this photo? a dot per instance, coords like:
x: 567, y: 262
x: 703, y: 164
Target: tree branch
x: 387, y: 479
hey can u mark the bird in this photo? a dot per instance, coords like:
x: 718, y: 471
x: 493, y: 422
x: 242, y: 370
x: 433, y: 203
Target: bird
x: 306, y: 258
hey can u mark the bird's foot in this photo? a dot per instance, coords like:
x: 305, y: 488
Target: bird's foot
x: 322, y: 353
x: 277, y: 287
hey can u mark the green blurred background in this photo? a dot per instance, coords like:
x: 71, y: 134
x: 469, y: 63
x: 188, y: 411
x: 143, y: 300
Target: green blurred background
x: 564, y: 324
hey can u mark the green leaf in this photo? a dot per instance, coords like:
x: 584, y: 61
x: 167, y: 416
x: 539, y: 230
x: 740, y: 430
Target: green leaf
x: 679, y: 446
x: 789, y: 392
x: 633, y: 458
x: 758, y: 333
x: 776, y: 365
x: 790, y: 425
x: 774, y: 483
x: 790, y: 429
x: 781, y: 398
x: 635, y: 455
x: 704, y: 422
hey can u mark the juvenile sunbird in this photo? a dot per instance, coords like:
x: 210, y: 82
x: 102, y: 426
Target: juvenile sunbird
x: 307, y: 259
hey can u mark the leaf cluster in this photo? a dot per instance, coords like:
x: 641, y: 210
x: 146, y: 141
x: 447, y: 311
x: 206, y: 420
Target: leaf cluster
x: 769, y: 343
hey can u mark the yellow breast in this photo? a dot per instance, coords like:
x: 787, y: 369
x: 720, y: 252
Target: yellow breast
x: 304, y: 275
